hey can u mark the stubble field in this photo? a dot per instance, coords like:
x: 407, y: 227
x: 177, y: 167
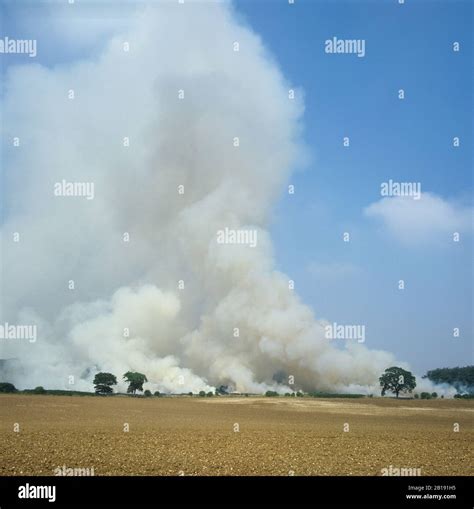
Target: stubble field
x: 234, y: 436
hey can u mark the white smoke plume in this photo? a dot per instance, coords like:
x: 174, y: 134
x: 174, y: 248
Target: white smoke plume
x: 127, y: 310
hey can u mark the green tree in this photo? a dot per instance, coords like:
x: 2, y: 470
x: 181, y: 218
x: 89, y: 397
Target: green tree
x: 157, y: 394
x: 135, y: 381
x: 210, y: 394
x: 147, y: 393
x: 202, y: 393
x: 39, y: 390
x: 271, y: 394
x: 103, y: 383
x: 223, y: 389
x: 397, y: 380
x: 7, y: 387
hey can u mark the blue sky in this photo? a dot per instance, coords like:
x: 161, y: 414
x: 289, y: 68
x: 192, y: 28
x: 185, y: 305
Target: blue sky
x: 407, y: 47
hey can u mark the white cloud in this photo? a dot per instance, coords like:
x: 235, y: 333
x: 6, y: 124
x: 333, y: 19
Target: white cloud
x: 429, y: 219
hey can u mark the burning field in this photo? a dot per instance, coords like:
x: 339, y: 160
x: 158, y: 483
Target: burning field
x: 234, y: 436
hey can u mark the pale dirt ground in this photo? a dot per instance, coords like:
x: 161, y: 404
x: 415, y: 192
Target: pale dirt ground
x: 195, y: 436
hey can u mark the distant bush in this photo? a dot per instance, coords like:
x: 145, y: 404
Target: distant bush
x: 210, y: 394
x: 271, y: 394
x: 190, y: 393
x: 299, y: 394
x: 147, y: 393
x: 425, y: 395
x: 202, y: 394
x: 434, y: 395
x: 7, y: 387
x: 464, y: 396
x: 417, y: 396
x: 157, y: 394
x: 39, y: 390
x: 293, y: 394
x: 287, y: 394
x: 62, y: 392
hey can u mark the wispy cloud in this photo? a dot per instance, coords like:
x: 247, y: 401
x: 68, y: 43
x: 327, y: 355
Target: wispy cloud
x: 418, y: 221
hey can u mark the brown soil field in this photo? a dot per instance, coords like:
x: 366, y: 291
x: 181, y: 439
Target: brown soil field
x: 196, y: 436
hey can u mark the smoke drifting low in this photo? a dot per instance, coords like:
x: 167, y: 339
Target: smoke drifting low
x: 134, y: 279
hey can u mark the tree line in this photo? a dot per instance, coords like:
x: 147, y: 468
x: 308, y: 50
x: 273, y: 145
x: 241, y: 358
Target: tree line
x: 394, y: 380
x: 103, y: 383
x: 461, y: 378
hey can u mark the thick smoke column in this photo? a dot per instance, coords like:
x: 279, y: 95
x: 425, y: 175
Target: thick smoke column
x: 144, y: 122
